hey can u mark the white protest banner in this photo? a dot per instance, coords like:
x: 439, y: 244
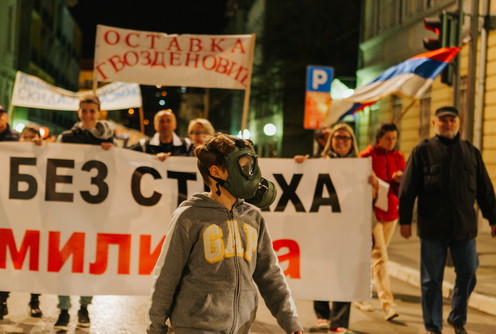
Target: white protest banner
x: 32, y: 92
x: 153, y: 58
x: 75, y: 219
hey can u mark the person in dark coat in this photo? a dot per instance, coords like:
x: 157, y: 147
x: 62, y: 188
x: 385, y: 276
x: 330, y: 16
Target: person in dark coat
x: 447, y: 176
x: 6, y: 132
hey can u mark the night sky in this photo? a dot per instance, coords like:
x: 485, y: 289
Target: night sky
x: 181, y: 17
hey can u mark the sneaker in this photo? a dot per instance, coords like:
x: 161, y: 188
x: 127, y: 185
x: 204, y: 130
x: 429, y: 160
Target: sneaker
x: 338, y: 330
x: 322, y: 323
x: 364, y: 306
x: 34, y: 308
x: 63, y: 320
x: 459, y: 329
x: 390, y: 314
x: 83, y: 317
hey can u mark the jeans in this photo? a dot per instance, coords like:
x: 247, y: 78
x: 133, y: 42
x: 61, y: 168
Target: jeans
x: 65, y: 302
x: 433, y: 255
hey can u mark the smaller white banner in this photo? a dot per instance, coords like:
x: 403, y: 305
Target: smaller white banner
x: 32, y: 92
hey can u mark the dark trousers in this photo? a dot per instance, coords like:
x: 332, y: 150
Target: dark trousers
x: 339, y: 315
x: 433, y: 258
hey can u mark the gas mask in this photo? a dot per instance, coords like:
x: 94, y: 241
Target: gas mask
x: 245, y: 178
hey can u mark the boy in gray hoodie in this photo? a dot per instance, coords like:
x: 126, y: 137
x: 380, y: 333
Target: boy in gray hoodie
x: 218, y: 251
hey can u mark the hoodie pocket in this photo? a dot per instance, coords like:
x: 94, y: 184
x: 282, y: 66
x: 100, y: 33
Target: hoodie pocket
x: 471, y: 178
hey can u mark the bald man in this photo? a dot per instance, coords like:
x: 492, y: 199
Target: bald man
x: 165, y: 142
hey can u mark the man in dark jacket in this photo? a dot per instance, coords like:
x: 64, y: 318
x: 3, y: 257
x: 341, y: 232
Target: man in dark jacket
x: 6, y: 133
x: 447, y: 175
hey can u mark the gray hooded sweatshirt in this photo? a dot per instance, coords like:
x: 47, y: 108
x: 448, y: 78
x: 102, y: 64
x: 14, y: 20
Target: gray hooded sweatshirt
x: 211, y: 264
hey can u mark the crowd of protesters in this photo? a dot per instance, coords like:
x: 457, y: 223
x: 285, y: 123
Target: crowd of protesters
x: 445, y: 173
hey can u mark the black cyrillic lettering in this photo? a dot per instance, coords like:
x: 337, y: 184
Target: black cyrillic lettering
x: 136, y: 189
x: 318, y: 200
x: 289, y: 193
x: 16, y: 178
x: 97, y: 180
x: 52, y: 179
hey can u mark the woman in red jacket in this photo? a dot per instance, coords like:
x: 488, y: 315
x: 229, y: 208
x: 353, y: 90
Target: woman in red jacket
x: 388, y: 165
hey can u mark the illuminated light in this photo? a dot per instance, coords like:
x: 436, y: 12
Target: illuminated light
x: 348, y: 93
x: 161, y: 102
x: 270, y: 129
x: 19, y: 127
x: 130, y: 111
x: 183, y: 89
x: 146, y: 122
x: 158, y: 86
x: 246, y: 134
x: 164, y: 93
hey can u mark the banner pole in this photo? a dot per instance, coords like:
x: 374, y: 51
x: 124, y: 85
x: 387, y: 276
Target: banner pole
x: 246, y: 102
x: 95, y: 83
x: 142, y: 119
x: 404, y: 111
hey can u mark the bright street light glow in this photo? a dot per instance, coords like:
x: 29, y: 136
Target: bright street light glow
x: 246, y: 134
x: 19, y: 127
x: 161, y: 102
x: 270, y: 129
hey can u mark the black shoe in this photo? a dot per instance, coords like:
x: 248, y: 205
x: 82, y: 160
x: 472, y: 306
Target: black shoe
x: 83, y: 317
x: 63, y: 320
x: 459, y: 329
x: 34, y: 308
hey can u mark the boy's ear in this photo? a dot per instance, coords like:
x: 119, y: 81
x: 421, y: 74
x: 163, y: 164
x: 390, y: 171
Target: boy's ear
x: 214, y: 171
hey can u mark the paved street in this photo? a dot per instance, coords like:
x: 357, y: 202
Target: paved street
x: 125, y: 314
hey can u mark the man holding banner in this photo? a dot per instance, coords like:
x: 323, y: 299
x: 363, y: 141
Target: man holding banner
x: 165, y: 142
x: 88, y: 131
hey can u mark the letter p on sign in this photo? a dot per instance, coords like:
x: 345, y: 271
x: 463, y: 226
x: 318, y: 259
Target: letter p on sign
x: 319, y: 78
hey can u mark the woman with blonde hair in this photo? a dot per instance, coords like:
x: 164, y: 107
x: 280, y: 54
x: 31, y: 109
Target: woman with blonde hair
x: 198, y: 130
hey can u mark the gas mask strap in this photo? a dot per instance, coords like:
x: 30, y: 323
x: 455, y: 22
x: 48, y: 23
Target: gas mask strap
x: 218, y: 182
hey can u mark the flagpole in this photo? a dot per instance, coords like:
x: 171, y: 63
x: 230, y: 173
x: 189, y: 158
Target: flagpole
x: 404, y: 111
x: 246, y: 102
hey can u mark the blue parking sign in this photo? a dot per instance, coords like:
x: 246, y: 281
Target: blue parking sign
x: 319, y: 78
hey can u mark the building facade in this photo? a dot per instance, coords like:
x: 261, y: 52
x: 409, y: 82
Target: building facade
x: 39, y: 37
x: 393, y: 31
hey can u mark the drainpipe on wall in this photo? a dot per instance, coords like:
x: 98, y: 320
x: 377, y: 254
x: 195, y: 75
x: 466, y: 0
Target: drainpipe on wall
x: 481, y: 82
x: 472, y: 71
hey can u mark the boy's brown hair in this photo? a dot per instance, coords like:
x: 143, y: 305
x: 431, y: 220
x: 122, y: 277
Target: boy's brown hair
x: 213, y: 152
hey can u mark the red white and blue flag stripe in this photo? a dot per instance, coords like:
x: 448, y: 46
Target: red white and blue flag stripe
x: 410, y: 78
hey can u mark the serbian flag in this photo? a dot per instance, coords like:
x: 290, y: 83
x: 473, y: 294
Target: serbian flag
x: 409, y: 79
